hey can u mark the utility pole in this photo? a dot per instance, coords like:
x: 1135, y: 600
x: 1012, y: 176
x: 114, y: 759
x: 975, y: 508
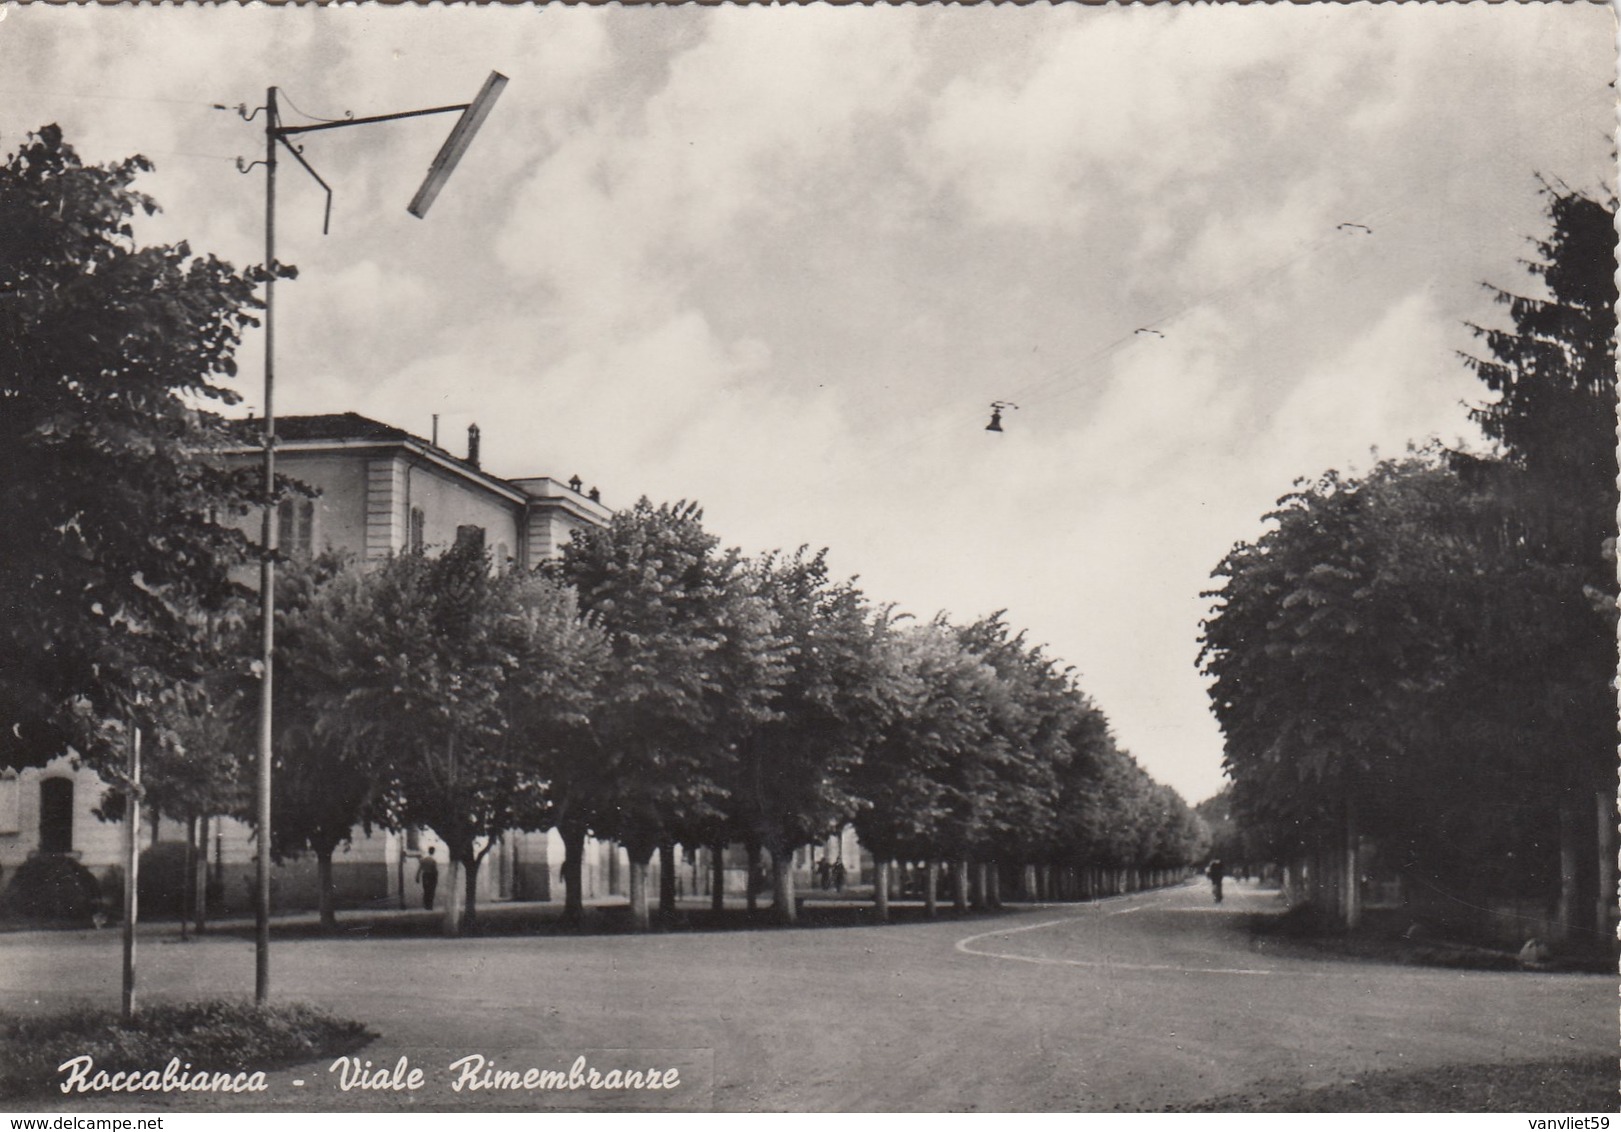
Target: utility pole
x: 267, y: 577
x: 276, y: 134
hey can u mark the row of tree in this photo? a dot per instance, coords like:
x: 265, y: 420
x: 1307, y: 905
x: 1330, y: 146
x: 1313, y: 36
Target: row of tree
x: 650, y: 688
x: 1424, y: 654
x: 647, y: 687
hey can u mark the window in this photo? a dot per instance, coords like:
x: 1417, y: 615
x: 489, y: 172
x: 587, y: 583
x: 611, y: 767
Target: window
x: 10, y: 802
x: 56, y: 815
x: 296, y: 527
x: 417, y: 539
x: 470, y: 534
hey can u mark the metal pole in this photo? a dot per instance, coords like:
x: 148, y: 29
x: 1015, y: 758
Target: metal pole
x: 267, y: 572
x: 132, y: 860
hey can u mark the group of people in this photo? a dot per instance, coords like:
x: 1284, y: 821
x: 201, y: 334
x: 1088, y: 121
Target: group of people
x: 830, y: 875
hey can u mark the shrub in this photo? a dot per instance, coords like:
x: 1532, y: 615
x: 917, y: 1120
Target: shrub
x: 51, y: 888
x: 162, y: 879
x: 214, y: 1035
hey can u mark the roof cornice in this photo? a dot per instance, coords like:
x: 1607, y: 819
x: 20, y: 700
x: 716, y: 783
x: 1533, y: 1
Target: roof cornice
x: 416, y: 448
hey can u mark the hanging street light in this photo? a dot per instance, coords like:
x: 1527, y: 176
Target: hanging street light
x: 996, y: 415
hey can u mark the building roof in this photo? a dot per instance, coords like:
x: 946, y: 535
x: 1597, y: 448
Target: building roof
x: 339, y: 426
x: 349, y: 428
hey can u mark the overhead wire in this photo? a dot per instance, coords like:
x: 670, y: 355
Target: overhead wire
x: 1036, y: 389
x: 348, y: 114
x: 35, y: 92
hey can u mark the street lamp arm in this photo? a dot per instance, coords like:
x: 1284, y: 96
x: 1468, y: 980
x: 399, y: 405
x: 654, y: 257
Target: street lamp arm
x: 326, y: 220
x: 285, y: 131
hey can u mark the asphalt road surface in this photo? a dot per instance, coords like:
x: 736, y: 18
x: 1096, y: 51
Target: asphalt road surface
x: 1133, y: 1004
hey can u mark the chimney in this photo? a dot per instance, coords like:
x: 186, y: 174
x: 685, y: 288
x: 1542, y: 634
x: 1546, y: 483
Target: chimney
x: 472, y: 445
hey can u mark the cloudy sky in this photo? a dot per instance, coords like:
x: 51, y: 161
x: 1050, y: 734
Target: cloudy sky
x: 781, y: 261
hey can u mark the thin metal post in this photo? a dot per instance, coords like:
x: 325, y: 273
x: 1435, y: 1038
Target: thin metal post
x: 267, y: 573
x: 132, y: 860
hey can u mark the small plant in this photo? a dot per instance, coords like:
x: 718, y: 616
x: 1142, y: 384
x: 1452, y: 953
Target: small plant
x: 215, y: 1035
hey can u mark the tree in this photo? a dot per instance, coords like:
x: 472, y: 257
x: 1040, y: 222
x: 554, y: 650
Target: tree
x: 1389, y: 660
x: 1555, y: 420
x: 1331, y: 638
x: 793, y: 765
x: 1087, y: 806
x: 447, y: 676
x: 1030, y: 708
x: 118, y: 516
x: 321, y: 789
x: 904, y: 784
x: 197, y: 746
x: 691, y: 666
x: 560, y: 657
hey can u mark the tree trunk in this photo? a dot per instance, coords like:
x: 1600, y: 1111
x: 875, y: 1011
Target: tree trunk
x: 132, y: 860
x: 199, y: 880
x: 976, y: 884
x: 880, y: 889
x: 667, y: 879
x: 1605, y: 907
x: 717, y: 882
x: 931, y: 889
x: 1352, y: 890
x: 993, y: 886
x: 323, y: 876
x: 640, y: 917
x: 573, y: 873
x: 752, y: 886
x: 959, y: 885
x: 188, y: 888
x: 452, y: 921
x: 1566, y: 913
x: 470, y: 922
x: 782, y: 887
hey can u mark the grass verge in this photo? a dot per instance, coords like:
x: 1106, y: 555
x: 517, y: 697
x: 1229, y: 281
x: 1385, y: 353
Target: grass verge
x: 1383, y: 939
x: 215, y: 1035
x: 1582, y: 1084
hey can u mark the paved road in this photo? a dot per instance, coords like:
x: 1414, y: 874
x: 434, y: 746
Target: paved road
x: 1134, y: 1004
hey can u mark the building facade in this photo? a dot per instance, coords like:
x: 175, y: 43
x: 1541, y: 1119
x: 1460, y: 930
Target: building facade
x: 374, y: 491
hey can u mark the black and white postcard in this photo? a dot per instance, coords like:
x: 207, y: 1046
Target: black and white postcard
x: 665, y: 558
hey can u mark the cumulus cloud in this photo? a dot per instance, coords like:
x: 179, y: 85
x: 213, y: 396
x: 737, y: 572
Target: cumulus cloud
x: 781, y: 261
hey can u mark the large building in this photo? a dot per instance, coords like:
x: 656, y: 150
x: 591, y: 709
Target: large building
x: 377, y: 490
x: 382, y: 490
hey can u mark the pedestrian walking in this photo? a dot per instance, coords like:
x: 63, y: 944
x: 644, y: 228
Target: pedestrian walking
x: 1215, y: 872
x: 428, y: 877
x: 838, y: 875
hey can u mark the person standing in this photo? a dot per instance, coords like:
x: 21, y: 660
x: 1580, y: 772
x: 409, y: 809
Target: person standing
x: 1215, y: 872
x: 428, y: 877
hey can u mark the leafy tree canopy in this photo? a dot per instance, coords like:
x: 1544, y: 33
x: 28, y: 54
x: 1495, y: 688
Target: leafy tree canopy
x: 117, y: 516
